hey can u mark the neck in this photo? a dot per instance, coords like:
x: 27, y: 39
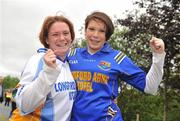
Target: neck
x: 62, y: 58
x: 92, y: 52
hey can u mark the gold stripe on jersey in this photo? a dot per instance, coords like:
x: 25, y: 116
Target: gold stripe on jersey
x: 122, y: 59
x: 72, y: 52
x: 119, y: 57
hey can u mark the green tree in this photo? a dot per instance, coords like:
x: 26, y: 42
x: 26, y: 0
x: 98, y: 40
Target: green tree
x: 161, y: 19
x: 10, y: 82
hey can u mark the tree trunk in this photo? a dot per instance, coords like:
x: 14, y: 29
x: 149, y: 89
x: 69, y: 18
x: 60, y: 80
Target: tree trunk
x: 137, y: 117
x: 165, y: 105
x: 165, y: 117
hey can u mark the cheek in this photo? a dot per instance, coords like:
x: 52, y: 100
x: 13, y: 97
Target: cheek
x: 103, y: 38
x: 88, y: 37
x: 50, y: 42
x: 85, y: 35
x: 69, y: 40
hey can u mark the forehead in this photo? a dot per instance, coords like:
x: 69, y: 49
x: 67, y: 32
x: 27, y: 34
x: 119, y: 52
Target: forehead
x: 97, y: 22
x: 59, y: 26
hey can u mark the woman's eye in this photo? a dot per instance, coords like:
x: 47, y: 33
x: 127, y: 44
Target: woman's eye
x: 54, y: 35
x: 66, y: 33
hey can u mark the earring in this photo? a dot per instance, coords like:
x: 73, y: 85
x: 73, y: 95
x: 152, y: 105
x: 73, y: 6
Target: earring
x: 47, y: 41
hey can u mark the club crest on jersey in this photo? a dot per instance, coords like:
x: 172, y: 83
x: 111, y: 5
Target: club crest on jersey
x: 104, y: 65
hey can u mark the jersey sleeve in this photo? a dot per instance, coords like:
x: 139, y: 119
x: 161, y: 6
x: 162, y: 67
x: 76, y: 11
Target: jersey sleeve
x: 33, y: 91
x: 132, y: 74
x: 136, y: 77
x: 155, y: 74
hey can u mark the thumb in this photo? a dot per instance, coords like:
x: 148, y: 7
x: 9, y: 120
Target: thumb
x: 152, y: 41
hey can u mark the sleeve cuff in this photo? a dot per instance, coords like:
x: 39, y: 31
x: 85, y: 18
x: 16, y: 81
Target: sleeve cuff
x: 159, y: 58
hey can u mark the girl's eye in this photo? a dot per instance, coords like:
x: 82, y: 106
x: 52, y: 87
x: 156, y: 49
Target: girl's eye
x: 91, y: 29
x: 102, y: 31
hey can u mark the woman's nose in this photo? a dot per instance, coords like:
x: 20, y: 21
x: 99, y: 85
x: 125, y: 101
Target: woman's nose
x: 61, y: 37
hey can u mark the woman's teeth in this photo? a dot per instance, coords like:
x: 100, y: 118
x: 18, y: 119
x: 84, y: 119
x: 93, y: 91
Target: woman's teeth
x: 62, y: 45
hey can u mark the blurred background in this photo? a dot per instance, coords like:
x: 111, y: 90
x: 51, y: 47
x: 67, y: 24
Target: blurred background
x: 136, y: 21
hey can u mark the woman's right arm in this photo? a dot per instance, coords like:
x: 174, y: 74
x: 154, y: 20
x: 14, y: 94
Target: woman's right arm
x: 33, y: 92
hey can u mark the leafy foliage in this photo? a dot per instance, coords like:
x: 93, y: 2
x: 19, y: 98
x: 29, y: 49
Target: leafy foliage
x: 161, y: 19
x: 133, y: 102
x: 134, y: 49
x: 10, y: 82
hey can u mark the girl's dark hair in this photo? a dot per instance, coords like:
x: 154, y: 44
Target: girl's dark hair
x: 104, y: 18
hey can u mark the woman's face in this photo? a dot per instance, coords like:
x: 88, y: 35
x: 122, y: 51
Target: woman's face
x: 59, y: 38
x: 95, y: 35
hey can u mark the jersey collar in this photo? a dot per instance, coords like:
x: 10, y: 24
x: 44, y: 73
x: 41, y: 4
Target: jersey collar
x: 105, y: 49
x: 43, y: 50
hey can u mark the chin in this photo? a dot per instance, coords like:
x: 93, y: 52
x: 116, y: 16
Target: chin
x: 95, y: 48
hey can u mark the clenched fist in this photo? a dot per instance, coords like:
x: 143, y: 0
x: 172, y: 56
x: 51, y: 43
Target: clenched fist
x: 157, y: 45
x: 50, y: 58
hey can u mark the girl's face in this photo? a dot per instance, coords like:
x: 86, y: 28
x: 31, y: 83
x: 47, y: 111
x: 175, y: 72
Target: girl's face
x: 59, y: 38
x: 95, y: 35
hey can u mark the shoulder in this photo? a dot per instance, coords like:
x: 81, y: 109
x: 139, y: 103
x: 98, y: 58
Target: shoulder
x: 32, y: 64
x: 74, y: 51
x: 117, y: 55
x: 35, y: 58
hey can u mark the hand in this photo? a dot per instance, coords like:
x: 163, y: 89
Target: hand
x: 50, y: 59
x: 60, y: 53
x: 157, y: 45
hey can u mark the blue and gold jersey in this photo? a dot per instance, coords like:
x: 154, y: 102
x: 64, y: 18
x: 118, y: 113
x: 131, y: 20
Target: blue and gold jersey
x: 97, y: 79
